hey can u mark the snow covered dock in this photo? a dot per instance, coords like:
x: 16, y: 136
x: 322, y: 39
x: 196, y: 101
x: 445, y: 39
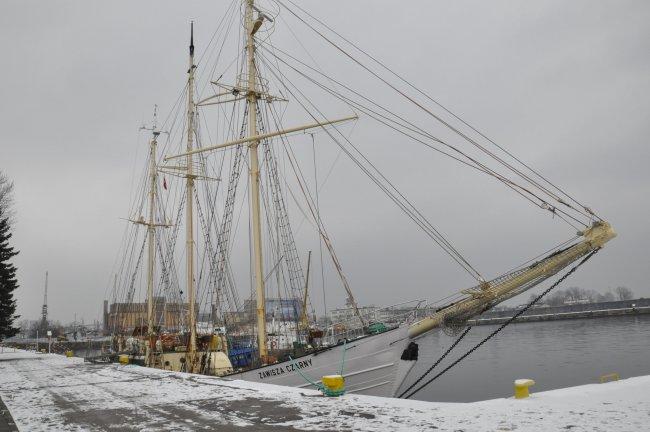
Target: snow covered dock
x: 50, y: 392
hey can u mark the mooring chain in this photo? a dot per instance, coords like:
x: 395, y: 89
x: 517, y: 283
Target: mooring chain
x: 491, y: 335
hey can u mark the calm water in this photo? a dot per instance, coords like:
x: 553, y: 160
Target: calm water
x: 554, y: 353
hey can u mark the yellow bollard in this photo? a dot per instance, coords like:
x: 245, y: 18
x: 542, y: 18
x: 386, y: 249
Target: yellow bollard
x: 124, y: 359
x: 333, y: 385
x: 68, y: 353
x: 521, y: 388
x: 609, y: 377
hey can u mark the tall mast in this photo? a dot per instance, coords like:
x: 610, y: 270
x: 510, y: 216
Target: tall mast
x: 253, y: 140
x: 151, y: 225
x: 255, y: 182
x: 189, y: 217
x: 150, y: 240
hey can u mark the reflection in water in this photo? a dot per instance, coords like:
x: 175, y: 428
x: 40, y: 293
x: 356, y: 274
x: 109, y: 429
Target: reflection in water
x: 554, y: 353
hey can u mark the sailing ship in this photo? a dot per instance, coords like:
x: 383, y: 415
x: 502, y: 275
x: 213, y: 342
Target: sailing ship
x: 289, y: 350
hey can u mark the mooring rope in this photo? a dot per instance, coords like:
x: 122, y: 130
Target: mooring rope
x: 321, y: 387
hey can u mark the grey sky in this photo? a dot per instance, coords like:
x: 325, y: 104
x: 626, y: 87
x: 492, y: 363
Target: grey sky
x: 564, y: 85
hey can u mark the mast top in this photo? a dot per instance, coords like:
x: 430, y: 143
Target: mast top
x: 191, y: 38
x: 154, y: 125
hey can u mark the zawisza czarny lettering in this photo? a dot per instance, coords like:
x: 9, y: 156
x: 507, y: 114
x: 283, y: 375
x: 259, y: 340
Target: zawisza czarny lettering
x: 301, y: 364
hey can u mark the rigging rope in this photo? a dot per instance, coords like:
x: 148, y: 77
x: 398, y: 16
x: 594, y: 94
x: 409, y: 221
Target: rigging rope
x: 402, y: 125
x: 319, y: 222
x: 384, y: 184
x: 399, y: 122
x: 320, y: 240
x: 585, y: 212
x: 491, y: 335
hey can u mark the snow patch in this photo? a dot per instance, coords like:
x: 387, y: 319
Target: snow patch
x: 51, y: 392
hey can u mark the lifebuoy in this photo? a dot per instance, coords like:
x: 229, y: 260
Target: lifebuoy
x: 274, y: 344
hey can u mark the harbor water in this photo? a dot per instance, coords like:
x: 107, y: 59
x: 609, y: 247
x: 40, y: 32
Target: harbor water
x: 555, y: 354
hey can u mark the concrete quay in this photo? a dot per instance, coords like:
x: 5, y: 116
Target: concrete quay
x: 7, y: 423
x: 576, y: 311
x: 48, y: 392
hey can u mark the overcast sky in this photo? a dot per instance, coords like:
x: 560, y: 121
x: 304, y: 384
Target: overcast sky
x: 564, y: 85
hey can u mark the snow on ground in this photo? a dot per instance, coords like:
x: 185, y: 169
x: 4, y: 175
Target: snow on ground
x: 50, y: 392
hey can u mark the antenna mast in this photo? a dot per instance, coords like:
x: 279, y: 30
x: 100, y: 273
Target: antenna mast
x: 44, y: 311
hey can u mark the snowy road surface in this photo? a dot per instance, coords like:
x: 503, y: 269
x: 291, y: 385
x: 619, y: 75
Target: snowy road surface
x: 53, y: 393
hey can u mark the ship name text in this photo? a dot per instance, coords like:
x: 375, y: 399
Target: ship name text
x: 281, y: 370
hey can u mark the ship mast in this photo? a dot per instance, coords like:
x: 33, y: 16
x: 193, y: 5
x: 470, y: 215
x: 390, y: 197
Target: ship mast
x: 150, y: 241
x: 151, y: 227
x: 255, y: 182
x: 189, y: 217
x: 252, y: 95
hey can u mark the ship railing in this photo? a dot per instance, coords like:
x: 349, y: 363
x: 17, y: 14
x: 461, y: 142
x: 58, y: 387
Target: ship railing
x: 391, y: 316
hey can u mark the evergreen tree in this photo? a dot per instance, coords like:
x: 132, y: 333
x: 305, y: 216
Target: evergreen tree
x: 8, y: 282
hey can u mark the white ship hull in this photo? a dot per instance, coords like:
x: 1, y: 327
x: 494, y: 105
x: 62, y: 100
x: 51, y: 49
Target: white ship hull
x: 372, y: 365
